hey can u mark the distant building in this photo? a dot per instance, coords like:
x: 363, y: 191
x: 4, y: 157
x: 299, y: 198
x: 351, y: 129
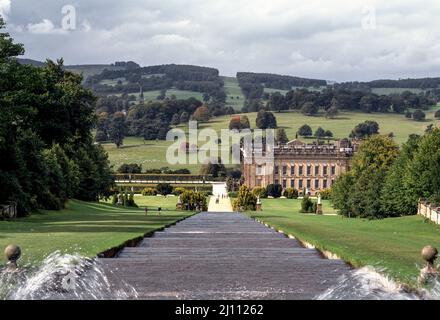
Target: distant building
x: 309, y: 167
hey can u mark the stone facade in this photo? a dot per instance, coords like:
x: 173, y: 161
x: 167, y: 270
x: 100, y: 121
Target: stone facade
x: 309, y: 167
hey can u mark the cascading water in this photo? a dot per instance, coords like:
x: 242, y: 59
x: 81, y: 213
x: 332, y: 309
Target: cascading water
x: 368, y: 283
x: 63, y: 276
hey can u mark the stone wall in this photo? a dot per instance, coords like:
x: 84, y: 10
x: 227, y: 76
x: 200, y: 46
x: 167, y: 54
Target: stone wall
x: 429, y: 211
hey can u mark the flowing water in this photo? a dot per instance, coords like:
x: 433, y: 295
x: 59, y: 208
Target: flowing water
x: 63, y: 276
x: 368, y: 283
x: 70, y: 276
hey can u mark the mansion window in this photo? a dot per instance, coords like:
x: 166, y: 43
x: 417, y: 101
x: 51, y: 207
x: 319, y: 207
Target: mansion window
x: 309, y: 169
x: 316, y: 184
x: 300, y: 169
x: 324, y: 170
x: 324, y: 184
x: 284, y: 170
x: 284, y: 184
x: 259, y: 170
x: 333, y: 170
x: 277, y: 170
x: 300, y: 184
x: 316, y: 170
x: 292, y: 170
x: 258, y: 182
x: 292, y: 183
x: 308, y: 184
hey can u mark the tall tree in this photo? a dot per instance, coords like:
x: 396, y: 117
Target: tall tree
x: 266, y: 120
x: 118, y: 129
x: 281, y: 136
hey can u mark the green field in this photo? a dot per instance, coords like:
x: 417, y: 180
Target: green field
x: 152, y: 154
x: 234, y: 95
x: 392, y: 244
x: 113, y: 82
x: 85, y: 228
x: 271, y: 90
x: 180, y: 94
x: 342, y: 125
x: 387, y: 91
x: 91, y: 70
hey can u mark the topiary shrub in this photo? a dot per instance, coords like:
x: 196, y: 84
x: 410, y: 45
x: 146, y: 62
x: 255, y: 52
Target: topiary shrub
x: 129, y: 202
x: 274, y: 190
x: 246, y: 200
x: 164, y: 189
x: 178, y: 191
x: 193, y: 200
x: 259, y: 192
x: 149, y: 192
x: 325, y: 194
x: 307, y: 205
x: 290, y: 193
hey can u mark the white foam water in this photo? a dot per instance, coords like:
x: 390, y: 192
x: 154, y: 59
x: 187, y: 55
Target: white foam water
x: 368, y: 283
x: 63, y: 276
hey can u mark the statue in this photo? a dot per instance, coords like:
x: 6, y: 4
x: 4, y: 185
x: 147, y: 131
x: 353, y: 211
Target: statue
x: 429, y: 272
x: 179, y: 205
x: 258, y: 204
x: 12, y: 254
x: 120, y: 200
x: 319, y: 205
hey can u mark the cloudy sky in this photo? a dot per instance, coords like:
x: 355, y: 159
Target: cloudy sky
x: 333, y: 40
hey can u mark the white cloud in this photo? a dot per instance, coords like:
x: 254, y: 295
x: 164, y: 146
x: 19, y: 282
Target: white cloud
x: 85, y: 25
x: 45, y: 27
x: 5, y: 8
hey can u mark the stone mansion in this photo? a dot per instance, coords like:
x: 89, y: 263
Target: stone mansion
x: 309, y: 167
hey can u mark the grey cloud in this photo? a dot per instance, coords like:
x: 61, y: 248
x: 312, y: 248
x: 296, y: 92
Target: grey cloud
x: 313, y: 38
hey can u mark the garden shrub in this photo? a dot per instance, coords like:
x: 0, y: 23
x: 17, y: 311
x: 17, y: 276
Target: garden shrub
x: 192, y: 200
x: 149, y: 192
x: 246, y: 200
x: 307, y: 205
x: 290, y: 193
x: 129, y: 202
x: 325, y: 194
x: 274, y: 190
x: 178, y: 191
x: 164, y: 189
x: 259, y: 191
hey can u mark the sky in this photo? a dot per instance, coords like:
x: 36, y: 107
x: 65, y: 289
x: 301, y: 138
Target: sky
x: 339, y: 40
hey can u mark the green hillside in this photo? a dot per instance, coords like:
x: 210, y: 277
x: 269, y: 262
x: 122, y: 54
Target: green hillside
x: 152, y: 154
x: 233, y: 92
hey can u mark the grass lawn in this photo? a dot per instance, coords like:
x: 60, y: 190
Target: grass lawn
x: 180, y: 94
x: 234, y: 95
x: 393, y: 244
x: 85, y: 228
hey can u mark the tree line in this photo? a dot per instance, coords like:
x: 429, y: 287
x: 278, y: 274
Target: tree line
x: 332, y: 100
x: 153, y: 120
x: 385, y: 181
x: 47, y: 151
x: 182, y: 77
x: 253, y: 84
